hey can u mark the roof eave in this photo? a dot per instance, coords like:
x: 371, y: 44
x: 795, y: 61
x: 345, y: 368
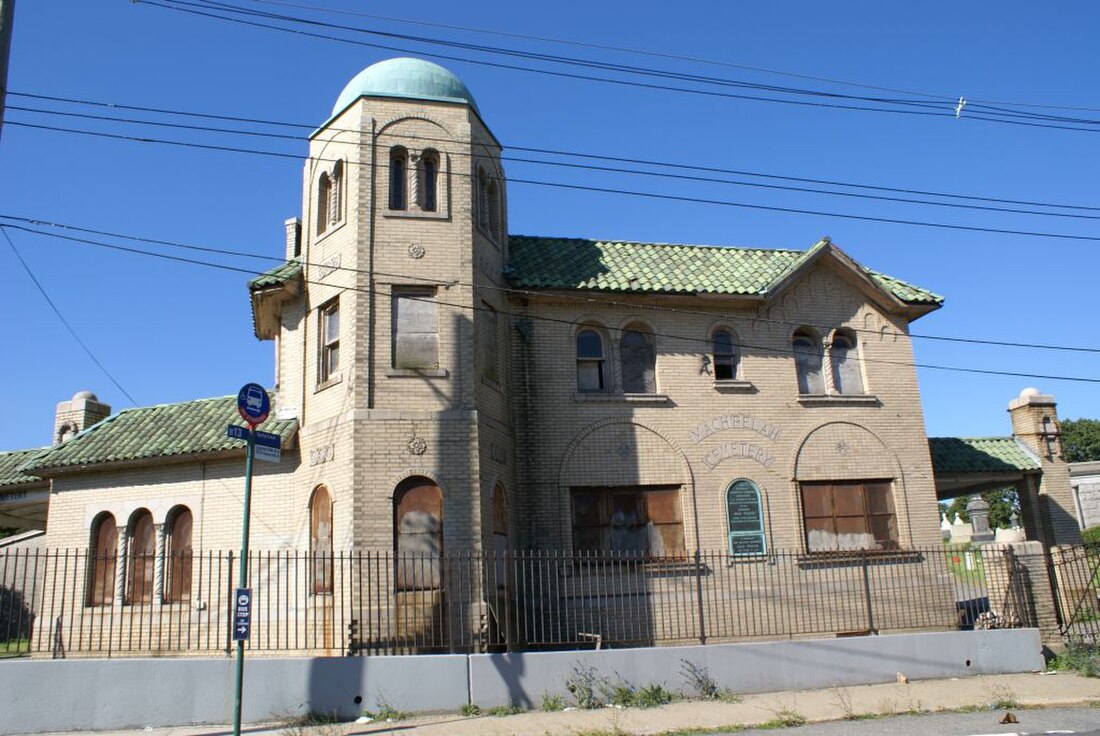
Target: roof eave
x: 266, y: 307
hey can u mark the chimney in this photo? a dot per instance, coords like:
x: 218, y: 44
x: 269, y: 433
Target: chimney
x: 1035, y: 424
x: 77, y: 414
x: 293, y: 238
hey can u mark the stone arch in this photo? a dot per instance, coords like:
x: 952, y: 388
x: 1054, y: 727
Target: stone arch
x: 598, y: 447
x: 384, y: 128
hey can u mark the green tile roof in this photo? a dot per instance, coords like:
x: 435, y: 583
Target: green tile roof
x: 149, y: 432
x: 277, y: 276
x: 980, y: 455
x: 10, y: 462
x: 577, y: 263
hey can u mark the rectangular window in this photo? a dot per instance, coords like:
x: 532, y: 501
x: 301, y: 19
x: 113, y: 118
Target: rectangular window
x: 849, y: 515
x: 646, y: 520
x: 415, y: 329
x: 329, y: 351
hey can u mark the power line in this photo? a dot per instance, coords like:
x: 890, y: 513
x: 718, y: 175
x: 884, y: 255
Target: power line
x: 603, y: 300
x: 571, y: 323
x: 911, y: 107
x: 587, y: 167
x: 61, y: 317
x: 561, y: 152
x: 657, y: 54
x: 606, y: 190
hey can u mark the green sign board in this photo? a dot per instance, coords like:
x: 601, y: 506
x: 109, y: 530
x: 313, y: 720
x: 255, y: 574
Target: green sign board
x: 745, y: 515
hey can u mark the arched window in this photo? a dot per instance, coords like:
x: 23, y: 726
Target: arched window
x: 178, y: 556
x: 494, y: 211
x: 725, y: 356
x: 482, y: 200
x: 418, y: 534
x: 103, y: 554
x: 639, y: 369
x: 745, y: 519
x: 844, y: 355
x: 320, y: 539
x: 590, y: 361
x: 336, y: 193
x: 399, y: 158
x: 429, y: 181
x: 808, y: 358
x: 324, y: 199
x: 142, y: 547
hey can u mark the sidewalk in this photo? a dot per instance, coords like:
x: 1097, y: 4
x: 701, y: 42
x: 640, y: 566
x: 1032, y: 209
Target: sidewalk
x: 1026, y: 690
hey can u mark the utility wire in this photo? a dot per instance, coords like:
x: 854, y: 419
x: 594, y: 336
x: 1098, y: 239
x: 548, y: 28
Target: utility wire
x: 555, y: 320
x: 663, y: 55
x: 602, y: 190
x: 903, y: 106
x: 573, y: 165
x: 603, y: 300
x: 61, y: 317
x: 561, y: 152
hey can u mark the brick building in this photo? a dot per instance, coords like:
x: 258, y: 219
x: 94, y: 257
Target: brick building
x: 440, y: 384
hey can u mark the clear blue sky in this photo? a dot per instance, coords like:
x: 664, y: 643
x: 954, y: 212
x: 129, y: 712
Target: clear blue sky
x: 170, y: 331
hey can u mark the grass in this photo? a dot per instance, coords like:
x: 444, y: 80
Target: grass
x: 956, y: 563
x: 1083, y: 660
x: 552, y: 702
x: 386, y: 712
x: 14, y: 648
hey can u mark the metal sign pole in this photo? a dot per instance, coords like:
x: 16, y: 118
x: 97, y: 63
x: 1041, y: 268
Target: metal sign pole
x: 244, y: 573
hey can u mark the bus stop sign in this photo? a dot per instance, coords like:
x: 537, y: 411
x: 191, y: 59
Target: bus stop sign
x: 253, y: 403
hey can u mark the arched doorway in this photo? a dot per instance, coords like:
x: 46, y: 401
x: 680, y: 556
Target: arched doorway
x: 418, y: 564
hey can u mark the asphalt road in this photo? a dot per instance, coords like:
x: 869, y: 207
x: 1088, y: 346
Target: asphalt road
x: 1077, y: 721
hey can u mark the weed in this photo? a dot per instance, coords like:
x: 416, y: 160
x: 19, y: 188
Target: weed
x: 1003, y: 698
x: 552, y: 702
x: 504, y: 710
x: 470, y: 709
x: 620, y: 693
x: 843, y: 698
x: 784, y: 718
x: 704, y: 684
x: 385, y: 711
x: 651, y: 696
x: 585, y: 685
x: 318, y: 724
x: 1080, y: 659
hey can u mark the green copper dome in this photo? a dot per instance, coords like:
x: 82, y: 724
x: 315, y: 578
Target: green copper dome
x: 413, y: 79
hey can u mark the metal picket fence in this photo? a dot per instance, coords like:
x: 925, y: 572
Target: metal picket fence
x: 65, y: 603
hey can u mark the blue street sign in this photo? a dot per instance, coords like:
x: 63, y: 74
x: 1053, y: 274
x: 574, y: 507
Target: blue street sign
x: 253, y: 403
x: 265, y: 439
x: 242, y: 614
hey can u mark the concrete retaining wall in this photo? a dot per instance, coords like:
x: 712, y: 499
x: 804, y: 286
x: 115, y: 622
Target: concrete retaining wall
x: 60, y: 695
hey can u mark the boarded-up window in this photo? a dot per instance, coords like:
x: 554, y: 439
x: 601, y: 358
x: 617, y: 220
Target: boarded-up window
x: 320, y: 540
x: 589, y: 361
x: 494, y: 211
x: 646, y: 520
x: 807, y: 361
x: 415, y: 329
x: 142, y: 550
x: 179, y: 556
x: 849, y: 515
x: 638, y: 363
x: 101, y: 565
x: 844, y: 356
x: 418, y: 525
x: 725, y: 356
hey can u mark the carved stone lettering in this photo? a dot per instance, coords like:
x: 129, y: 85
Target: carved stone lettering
x: 738, y: 449
x: 320, y: 455
x: 734, y: 421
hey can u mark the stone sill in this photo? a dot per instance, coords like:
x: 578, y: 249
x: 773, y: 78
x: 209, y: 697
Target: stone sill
x: 328, y: 383
x: 417, y: 373
x: 832, y: 399
x: 416, y: 215
x: 330, y: 230
x: 734, y: 387
x: 608, y: 398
